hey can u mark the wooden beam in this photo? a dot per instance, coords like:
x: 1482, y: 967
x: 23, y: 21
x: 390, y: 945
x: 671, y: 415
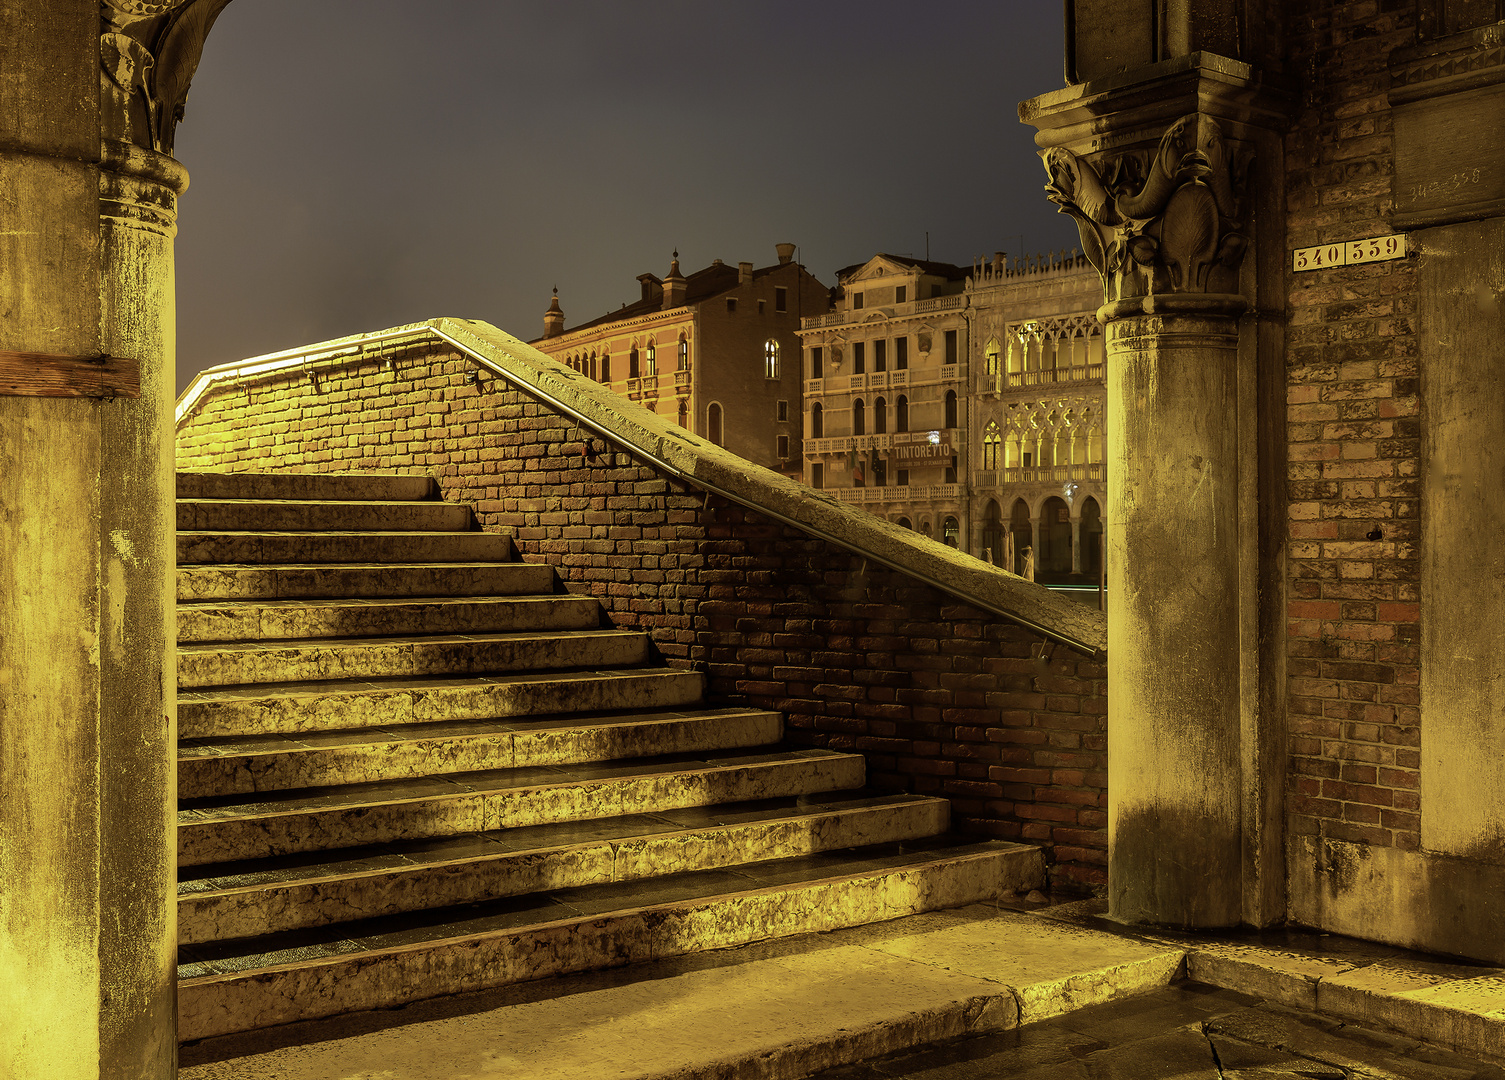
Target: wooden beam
x: 29, y: 374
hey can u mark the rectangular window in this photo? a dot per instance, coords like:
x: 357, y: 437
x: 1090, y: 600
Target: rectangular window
x: 817, y: 475
x: 950, y: 346
x: 650, y: 361
x: 901, y: 293
x: 731, y: 305
x: 760, y: 306
x: 606, y: 369
x: 901, y: 353
x: 880, y: 355
x: 782, y: 442
x: 781, y: 412
x: 903, y: 478
x: 780, y: 298
x: 880, y: 472
x: 859, y: 357
x: 817, y: 363
x: 857, y: 301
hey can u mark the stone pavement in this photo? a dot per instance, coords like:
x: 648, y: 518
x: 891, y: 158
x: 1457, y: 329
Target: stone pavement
x: 794, y: 1007
x: 1191, y: 1031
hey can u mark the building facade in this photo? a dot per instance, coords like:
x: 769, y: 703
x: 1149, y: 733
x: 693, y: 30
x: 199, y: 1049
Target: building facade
x: 717, y: 351
x: 966, y: 404
x: 884, y: 388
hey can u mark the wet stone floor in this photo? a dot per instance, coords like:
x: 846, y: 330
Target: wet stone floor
x: 1185, y: 1032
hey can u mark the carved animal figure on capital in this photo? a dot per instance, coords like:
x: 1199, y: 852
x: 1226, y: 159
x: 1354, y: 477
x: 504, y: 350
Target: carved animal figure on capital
x: 1172, y: 223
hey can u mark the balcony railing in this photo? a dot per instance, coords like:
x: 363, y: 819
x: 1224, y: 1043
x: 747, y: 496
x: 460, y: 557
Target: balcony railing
x: 1045, y: 474
x: 815, y: 386
x: 907, y: 493
x: 682, y: 378
x: 1046, y: 376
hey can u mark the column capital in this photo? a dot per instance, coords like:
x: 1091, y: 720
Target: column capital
x: 1154, y: 167
x: 148, y: 53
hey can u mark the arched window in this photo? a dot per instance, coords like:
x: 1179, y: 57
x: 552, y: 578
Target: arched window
x: 1016, y: 354
x: 1021, y: 525
x: 880, y: 416
x: 901, y: 414
x: 990, y: 441
x: 650, y: 360
x: 903, y: 523
x: 1095, y: 444
x: 606, y: 367
x: 684, y: 413
x: 992, y: 534
x: 713, y: 424
x: 1092, y: 538
x: 950, y: 532
x: 859, y: 418
x: 770, y: 359
x: 594, y: 367
x: 633, y: 367
x: 817, y: 421
x: 1054, y: 557
x: 684, y: 354
x: 990, y: 359
x: 951, y: 408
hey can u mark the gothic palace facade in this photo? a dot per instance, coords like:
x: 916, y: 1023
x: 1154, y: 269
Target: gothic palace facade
x: 966, y: 404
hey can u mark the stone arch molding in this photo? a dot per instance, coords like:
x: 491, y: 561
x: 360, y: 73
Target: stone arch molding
x: 1167, y: 222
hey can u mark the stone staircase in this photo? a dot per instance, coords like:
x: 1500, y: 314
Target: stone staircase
x: 410, y: 766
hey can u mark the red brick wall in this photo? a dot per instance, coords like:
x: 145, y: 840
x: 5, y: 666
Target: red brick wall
x: 940, y: 698
x: 1354, y: 442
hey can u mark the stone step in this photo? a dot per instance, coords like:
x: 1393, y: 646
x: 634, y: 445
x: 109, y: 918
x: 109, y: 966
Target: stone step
x: 368, y: 580
x: 294, y: 515
x: 199, y: 547
x: 246, y: 764
x: 224, y: 901
x: 235, y: 827
x: 342, y: 487
x: 330, y: 705
x: 244, y: 984
x: 406, y: 656
x: 284, y: 620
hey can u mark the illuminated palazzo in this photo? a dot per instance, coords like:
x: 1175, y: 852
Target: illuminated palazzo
x: 965, y: 403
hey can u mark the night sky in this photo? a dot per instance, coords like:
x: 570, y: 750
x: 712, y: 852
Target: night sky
x: 358, y: 164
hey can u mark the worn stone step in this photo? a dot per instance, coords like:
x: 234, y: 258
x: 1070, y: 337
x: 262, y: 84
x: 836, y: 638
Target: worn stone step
x: 330, y: 705
x: 296, y: 515
x: 229, y: 828
x: 283, y: 620
x: 246, y: 764
x: 406, y: 656
x: 222, y: 901
x: 198, y: 547
x: 343, y: 487
x: 366, y: 581
x: 246, y: 984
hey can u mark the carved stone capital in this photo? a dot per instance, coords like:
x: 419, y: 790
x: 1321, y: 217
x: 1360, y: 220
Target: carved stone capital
x: 148, y: 52
x: 1171, y: 221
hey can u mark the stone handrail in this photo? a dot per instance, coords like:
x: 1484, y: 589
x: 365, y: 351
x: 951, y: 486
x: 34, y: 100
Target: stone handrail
x: 671, y: 449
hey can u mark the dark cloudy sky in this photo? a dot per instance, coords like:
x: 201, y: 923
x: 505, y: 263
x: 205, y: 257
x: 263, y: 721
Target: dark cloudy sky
x: 358, y: 164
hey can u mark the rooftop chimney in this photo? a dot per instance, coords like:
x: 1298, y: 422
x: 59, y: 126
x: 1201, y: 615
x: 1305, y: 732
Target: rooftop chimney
x: 553, y: 319
x: 786, y: 252
x: 674, y: 286
x: 744, y: 273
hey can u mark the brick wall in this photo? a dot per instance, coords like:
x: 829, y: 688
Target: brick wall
x: 1354, y: 431
x: 940, y: 697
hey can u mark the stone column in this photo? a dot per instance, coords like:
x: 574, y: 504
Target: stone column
x: 1076, y: 543
x: 1157, y: 170
x: 87, y: 675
